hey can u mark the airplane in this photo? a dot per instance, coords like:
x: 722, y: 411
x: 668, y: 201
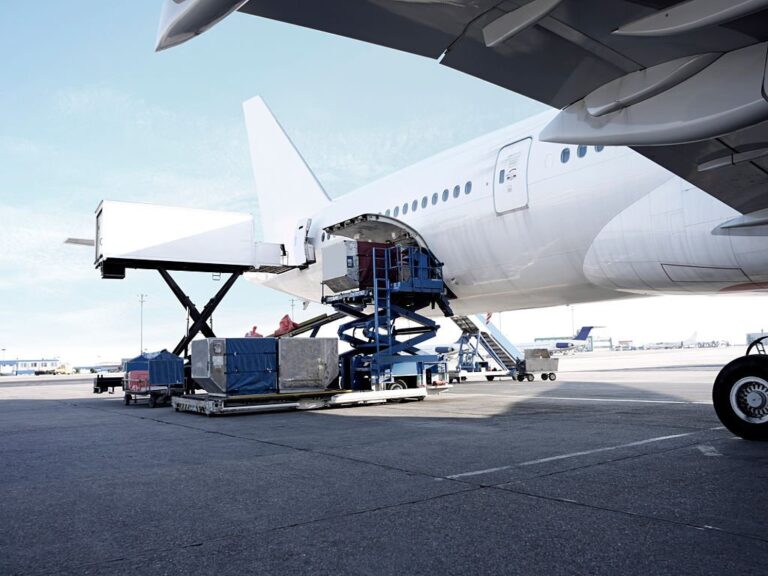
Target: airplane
x: 690, y: 342
x: 647, y: 177
x: 560, y: 345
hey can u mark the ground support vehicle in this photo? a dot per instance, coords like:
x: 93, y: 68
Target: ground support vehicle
x: 103, y: 383
x: 486, y: 353
x: 540, y: 361
x: 243, y: 375
x: 155, y: 376
x: 376, y: 285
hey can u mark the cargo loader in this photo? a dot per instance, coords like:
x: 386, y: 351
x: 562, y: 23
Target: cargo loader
x: 378, y: 286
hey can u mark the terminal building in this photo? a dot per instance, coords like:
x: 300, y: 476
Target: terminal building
x: 26, y: 367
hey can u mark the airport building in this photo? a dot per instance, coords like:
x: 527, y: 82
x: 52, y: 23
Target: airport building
x: 25, y: 367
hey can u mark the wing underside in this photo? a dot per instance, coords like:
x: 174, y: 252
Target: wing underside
x: 684, y: 83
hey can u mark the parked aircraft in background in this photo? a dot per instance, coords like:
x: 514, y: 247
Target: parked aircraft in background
x: 560, y: 345
x: 690, y: 342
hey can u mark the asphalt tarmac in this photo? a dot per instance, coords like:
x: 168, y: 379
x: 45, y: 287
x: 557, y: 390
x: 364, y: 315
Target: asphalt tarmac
x: 618, y: 467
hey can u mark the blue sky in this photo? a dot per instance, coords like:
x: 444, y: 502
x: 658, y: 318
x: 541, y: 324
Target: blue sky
x: 88, y: 112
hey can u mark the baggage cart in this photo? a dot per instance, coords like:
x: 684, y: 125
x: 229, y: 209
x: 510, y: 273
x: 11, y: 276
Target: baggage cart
x: 155, y: 376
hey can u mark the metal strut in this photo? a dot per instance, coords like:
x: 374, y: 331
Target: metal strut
x: 200, y: 318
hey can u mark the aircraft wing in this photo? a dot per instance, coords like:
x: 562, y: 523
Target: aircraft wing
x: 684, y: 83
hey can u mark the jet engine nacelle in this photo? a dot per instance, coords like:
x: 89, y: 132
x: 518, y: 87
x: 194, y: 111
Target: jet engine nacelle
x: 669, y: 241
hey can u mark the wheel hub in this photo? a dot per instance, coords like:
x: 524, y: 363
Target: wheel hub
x: 756, y: 399
x: 749, y: 400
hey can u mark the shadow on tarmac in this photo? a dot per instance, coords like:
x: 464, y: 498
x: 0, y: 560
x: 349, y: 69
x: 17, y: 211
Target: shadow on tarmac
x: 93, y: 486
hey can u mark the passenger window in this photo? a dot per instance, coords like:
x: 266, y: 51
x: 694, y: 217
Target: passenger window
x: 581, y: 151
x: 405, y: 208
x: 467, y: 187
x: 501, y: 177
x: 565, y: 155
x: 599, y: 148
x: 322, y: 238
x: 387, y: 213
x: 434, y: 198
x: 414, y: 205
x: 456, y: 191
x: 445, y: 195
x: 397, y: 211
x: 424, y: 202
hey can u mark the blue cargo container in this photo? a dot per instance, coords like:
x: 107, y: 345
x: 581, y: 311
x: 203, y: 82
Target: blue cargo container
x: 164, y: 368
x: 264, y: 366
x: 251, y: 366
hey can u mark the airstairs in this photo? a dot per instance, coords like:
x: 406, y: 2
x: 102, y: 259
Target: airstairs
x: 492, y: 342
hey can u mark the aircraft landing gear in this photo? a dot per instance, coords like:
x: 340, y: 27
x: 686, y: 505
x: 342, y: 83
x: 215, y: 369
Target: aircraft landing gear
x: 740, y: 395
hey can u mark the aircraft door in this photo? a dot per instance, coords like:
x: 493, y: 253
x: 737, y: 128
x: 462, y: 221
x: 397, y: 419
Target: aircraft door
x: 510, y: 187
x: 303, y: 250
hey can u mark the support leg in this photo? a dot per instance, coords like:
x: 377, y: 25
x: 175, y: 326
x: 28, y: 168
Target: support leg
x: 186, y: 302
x: 206, y: 314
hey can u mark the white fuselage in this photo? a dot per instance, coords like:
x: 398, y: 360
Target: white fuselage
x: 549, y: 230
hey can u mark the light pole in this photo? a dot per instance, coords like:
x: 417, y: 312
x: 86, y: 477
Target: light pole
x: 142, y: 299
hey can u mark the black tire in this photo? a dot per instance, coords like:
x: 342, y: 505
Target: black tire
x: 529, y: 377
x: 740, y: 397
x: 552, y: 376
x: 397, y: 385
x: 520, y: 377
x: 544, y: 376
x: 152, y: 401
x: 490, y: 378
x: 127, y: 399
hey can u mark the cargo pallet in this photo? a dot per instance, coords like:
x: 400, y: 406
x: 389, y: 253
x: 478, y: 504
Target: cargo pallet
x: 212, y: 405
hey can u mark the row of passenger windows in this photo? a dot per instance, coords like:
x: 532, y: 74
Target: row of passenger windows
x: 425, y: 201
x: 581, y: 151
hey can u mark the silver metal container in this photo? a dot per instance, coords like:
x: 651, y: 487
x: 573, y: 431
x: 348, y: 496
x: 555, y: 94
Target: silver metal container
x: 209, y: 364
x: 307, y: 364
x: 341, y: 266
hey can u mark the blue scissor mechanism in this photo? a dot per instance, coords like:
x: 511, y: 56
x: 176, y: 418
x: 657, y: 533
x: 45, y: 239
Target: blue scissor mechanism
x: 403, y: 280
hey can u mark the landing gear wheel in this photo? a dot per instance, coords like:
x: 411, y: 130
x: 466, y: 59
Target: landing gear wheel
x: 529, y: 377
x: 552, y: 376
x: 740, y: 397
x: 490, y: 378
x: 127, y: 399
x: 544, y: 376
